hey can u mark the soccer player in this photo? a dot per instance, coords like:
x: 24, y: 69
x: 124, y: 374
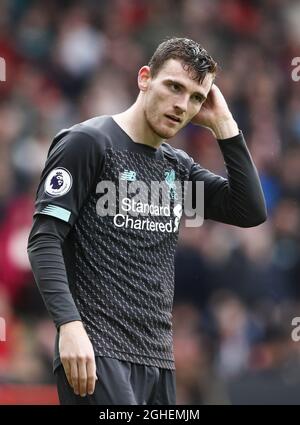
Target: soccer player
x: 108, y: 280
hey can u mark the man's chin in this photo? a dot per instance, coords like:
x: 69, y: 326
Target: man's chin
x: 163, y: 131
x: 166, y: 133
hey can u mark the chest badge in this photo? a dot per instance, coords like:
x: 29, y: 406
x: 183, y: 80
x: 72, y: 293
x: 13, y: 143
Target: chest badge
x: 170, y: 180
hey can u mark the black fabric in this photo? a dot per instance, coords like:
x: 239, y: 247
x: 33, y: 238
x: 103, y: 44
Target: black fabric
x: 48, y: 265
x: 122, y: 383
x: 237, y: 200
x: 79, y: 155
x: 122, y: 278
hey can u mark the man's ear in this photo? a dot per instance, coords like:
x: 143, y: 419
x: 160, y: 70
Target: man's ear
x: 144, y: 78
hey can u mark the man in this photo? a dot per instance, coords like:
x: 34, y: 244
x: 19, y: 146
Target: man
x: 107, y: 281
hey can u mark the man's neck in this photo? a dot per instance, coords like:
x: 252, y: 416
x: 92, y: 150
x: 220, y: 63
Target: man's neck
x: 134, y: 123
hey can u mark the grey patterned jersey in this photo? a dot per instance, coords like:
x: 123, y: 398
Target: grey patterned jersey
x: 117, y: 270
x: 120, y: 267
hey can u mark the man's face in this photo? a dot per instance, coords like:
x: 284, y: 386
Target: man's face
x: 173, y: 98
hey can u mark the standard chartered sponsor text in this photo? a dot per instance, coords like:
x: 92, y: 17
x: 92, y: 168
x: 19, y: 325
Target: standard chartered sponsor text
x: 137, y: 200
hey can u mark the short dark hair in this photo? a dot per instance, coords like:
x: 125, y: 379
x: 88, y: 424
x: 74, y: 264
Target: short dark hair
x: 193, y: 56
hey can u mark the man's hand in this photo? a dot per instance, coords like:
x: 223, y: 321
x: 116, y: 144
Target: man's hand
x: 216, y: 116
x: 78, y: 359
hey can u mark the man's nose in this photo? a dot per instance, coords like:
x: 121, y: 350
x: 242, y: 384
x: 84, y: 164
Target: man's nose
x: 181, y: 104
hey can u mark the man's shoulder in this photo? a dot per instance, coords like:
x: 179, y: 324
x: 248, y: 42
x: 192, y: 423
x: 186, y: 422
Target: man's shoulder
x: 97, y: 127
x: 96, y: 130
x: 177, y: 155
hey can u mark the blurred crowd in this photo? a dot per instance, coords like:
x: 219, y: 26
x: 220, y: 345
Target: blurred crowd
x: 237, y: 290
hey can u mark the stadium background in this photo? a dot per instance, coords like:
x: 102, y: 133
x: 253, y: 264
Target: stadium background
x: 237, y: 290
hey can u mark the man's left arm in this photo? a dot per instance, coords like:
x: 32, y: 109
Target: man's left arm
x: 239, y: 199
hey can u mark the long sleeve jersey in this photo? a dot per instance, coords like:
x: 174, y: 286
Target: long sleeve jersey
x: 115, y: 271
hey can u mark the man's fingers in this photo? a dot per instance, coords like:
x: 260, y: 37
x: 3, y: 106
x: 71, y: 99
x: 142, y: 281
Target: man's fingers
x: 82, y: 377
x: 91, y: 376
x: 74, y: 376
x: 67, y: 369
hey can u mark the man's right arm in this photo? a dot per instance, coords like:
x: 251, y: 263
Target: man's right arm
x: 70, y: 173
x: 45, y: 254
x: 47, y: 262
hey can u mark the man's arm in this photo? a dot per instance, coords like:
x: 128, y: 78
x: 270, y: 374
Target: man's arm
x: 69, y: 176
x: 237, y: 200
x: 47, y: 262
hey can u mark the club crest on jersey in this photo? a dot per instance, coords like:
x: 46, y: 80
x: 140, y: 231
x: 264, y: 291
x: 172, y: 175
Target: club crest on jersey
x: 170, y: 180
x: 58, y: 182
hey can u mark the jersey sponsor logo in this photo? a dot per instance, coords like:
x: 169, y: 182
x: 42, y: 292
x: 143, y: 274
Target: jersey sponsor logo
x: 58, y: 182
x: 128, y: 175
x: 132, y: 207
x: 177, y: 211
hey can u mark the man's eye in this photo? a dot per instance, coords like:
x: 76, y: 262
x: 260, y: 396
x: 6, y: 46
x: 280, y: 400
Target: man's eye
x: 175, y: 87
x: 198, y: 99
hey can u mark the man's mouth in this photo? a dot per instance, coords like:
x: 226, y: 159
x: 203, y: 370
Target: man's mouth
x: 173, y: 118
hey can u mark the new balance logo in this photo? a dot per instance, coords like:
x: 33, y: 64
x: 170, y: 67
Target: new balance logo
x: 129, y: 176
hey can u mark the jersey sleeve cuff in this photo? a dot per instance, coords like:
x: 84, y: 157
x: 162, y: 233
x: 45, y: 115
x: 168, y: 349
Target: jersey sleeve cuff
x: 238, y: 138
